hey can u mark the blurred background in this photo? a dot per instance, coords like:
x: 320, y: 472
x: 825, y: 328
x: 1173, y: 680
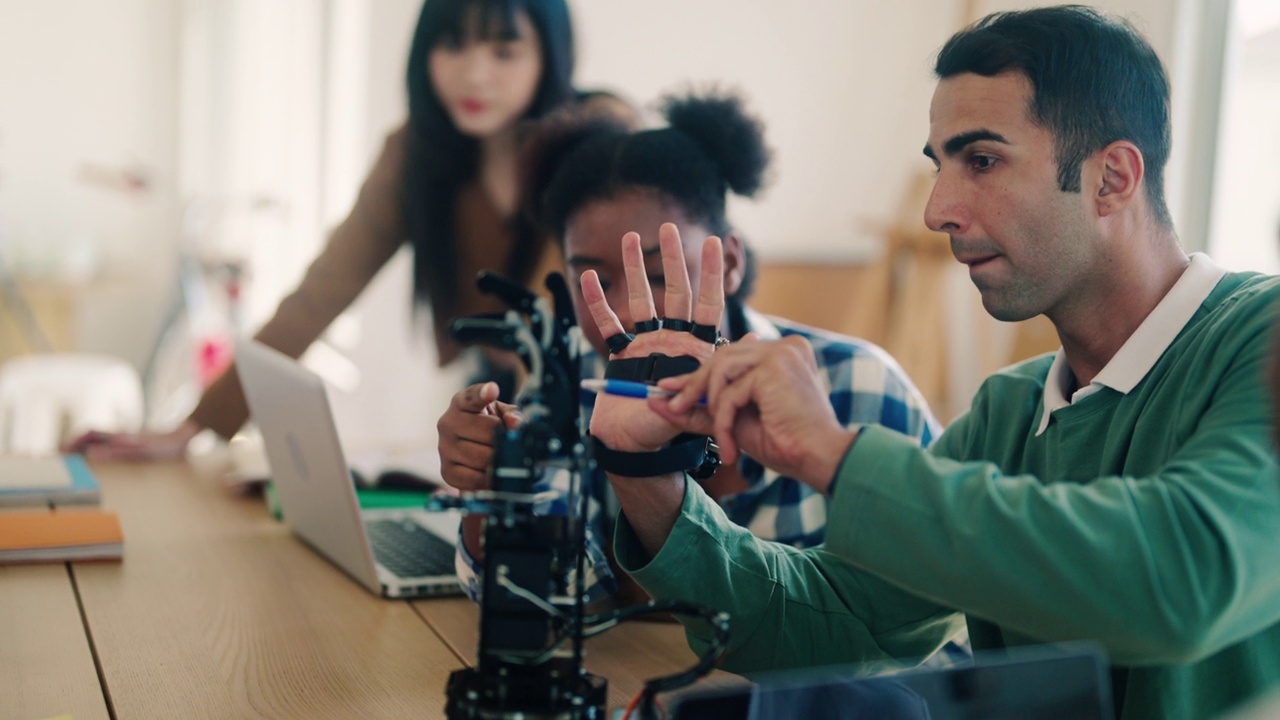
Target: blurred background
x: 169, y: 167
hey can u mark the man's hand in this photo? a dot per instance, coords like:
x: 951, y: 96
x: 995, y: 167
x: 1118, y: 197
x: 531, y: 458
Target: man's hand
x: 652, y: 505
x: 626, y: 423
x: 466, y: 435
x: 765, y: 399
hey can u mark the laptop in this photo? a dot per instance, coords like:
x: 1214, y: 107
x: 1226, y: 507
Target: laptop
x: 1038, y: 682
x: 396, y: 553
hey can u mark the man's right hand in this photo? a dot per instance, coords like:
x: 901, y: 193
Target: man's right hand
x: 466, y: 435
x: 766, y: 399
x: 142, y: 446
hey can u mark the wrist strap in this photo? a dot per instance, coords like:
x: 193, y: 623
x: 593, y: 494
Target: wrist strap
x: 685, y: 453
x: 650, y: 369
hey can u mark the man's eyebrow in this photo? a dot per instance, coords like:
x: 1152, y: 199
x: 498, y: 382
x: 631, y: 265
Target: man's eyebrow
x: 955, y: 145
x: 650, y: 252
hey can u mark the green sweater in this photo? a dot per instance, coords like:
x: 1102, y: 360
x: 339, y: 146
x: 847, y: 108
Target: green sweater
x: 1148, y: 522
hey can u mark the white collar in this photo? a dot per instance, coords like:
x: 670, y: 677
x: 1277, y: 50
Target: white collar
x: 1144, y: 347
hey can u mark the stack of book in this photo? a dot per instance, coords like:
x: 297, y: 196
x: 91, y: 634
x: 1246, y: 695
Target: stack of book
x: 46, y: 530
x: 61, y: 480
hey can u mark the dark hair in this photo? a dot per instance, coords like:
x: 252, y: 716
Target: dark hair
x: 439, y: 160
x: 711, y: 146
x: 1095, y: 81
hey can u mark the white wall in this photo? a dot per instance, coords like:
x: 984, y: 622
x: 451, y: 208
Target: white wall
x: 91, y: 84
x: 1245, y: 219
x: 843, y: 87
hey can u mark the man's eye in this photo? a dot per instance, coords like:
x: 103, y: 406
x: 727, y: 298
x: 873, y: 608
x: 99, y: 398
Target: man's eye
x: 657, y: 281
x: 504, y: 51
x: 605, y: 285
x: 982, y: 163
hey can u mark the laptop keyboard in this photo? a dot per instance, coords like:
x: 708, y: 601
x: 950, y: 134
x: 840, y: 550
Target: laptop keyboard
x: 408, y: 550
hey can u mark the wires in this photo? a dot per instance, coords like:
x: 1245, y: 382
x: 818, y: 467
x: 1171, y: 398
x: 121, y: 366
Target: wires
x: 596, y: 624
x: 646, y: 701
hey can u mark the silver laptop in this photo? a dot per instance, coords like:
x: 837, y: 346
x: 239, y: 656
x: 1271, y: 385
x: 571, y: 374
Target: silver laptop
x: 397, y: 553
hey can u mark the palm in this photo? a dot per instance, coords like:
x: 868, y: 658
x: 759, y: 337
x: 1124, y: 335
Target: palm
x: 628, y: 423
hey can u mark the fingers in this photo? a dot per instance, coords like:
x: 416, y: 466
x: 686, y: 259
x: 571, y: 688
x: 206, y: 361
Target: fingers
x: 697, y: 420
x: 679, y: 295
x: 474, y: 398
x: 710, y: 307
x: 601, y: 313
x: 639, y: 295
x: 83, y: 441
x: 466, y: 435
x: 727, y: 363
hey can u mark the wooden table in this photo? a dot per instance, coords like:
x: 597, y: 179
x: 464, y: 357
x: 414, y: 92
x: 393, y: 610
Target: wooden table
x: 217, y: 611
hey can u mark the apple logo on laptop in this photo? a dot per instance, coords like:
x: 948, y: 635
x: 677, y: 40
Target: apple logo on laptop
x: 299, y: 460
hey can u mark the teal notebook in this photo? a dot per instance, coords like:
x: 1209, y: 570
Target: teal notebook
x: 58, y: 480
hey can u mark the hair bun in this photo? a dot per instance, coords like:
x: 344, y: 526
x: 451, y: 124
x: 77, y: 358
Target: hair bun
x: 718, y: 123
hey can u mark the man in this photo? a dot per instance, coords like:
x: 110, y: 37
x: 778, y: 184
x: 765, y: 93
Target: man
x: 1123, y: 490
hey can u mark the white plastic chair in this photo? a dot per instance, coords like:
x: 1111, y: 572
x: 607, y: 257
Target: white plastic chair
x: 48, y: 398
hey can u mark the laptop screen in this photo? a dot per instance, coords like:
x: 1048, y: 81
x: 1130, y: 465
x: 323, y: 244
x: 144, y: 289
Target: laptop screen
x: 1064, y: 682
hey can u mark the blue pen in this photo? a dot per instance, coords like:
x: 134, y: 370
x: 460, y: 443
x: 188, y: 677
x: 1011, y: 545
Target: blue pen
x: 629, y: 388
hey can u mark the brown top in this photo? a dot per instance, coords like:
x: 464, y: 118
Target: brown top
x: 356, y: 251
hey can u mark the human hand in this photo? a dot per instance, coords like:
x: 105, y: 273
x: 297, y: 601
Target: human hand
x: 467, y: 431
x: 627, y: 424
x: 140, y: 446
x: 765, y: 399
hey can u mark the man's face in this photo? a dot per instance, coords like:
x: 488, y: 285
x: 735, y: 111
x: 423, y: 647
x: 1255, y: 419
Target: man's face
x: 593, y: 241
x: 1028, y: 245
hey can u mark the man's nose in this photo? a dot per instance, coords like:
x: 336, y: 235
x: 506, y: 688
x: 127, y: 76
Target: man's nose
x: 945, y: 212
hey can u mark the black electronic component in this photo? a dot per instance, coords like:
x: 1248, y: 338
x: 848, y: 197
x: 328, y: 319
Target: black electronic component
x: 532, y: 610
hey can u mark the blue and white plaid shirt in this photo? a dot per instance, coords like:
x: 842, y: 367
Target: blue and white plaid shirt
x: 866, y: 386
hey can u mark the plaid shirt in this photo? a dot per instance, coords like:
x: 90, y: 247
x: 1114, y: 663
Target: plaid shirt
x: 866, y: 386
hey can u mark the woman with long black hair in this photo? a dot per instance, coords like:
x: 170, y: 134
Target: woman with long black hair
x: 446, y: 182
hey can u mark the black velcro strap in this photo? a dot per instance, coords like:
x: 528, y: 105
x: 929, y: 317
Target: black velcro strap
x: 618, y: 343
x: 677, y: 324
x: 651, y: 325
x: 686, y: 452
x: 650, y: 369
x: 706, y: 333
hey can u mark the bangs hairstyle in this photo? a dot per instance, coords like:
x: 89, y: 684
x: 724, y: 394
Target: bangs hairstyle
x: 1095, y: 81
x: 439, y: 160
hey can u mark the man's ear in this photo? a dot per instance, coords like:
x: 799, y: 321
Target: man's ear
x: 735, y: 263
x: 1120, y: 177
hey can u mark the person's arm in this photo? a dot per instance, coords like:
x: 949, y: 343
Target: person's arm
x: 357, y: 249
x: 788, y: 608
x: 1167, y: 567
x: 117, y: 446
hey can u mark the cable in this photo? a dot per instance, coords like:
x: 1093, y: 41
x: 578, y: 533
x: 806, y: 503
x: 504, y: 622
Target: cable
x: 719, y: 621
x: 529, y: 597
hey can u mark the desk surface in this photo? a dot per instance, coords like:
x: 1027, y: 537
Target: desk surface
x: 217, y: 611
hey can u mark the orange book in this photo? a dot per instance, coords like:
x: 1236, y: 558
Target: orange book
x: 60, y: 536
